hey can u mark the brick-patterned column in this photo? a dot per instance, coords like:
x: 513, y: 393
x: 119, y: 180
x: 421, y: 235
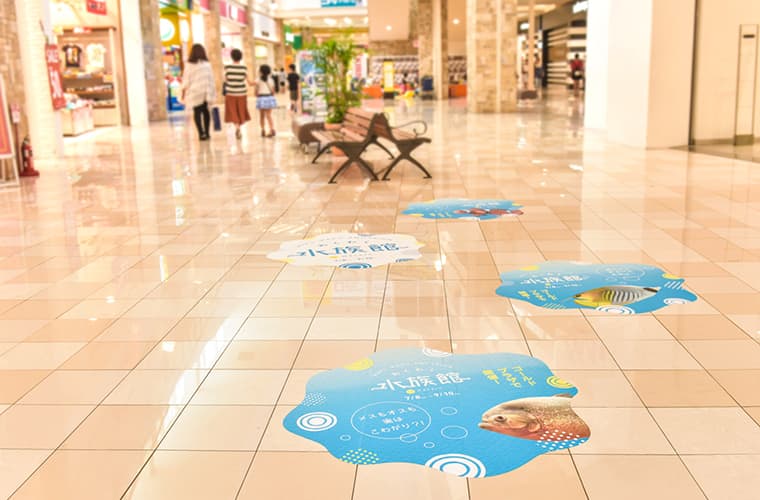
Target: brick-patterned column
x: 249, y: 43
x: 213, y: 43
x: 155, y: 88
x: 433, y: 48
x: 491, y: 55
x: 10, y: 67
x: 279, y: 47
x: 44, y: 123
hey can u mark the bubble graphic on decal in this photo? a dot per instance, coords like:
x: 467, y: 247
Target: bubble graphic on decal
x: 317, y: 421
x: 345, y: 437
x: 623, y: 310
x: 672, y: 302
x: 314, y: 399
x: 454, y: 432
x: 559, y: 383
x: 449, y: 410
x: 360, y: 456
x: 408, y: 438
x: 458, y: 465
x: 429, y: 445
x: 434, y: 353
x: 356, y: 265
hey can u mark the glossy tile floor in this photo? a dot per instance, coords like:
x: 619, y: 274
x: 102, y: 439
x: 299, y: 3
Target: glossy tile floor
x: 149, y: 350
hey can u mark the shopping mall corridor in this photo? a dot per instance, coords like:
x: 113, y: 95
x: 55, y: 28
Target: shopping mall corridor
x: 149, y: 349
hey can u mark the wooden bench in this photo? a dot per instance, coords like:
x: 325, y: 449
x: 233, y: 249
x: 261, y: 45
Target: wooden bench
x: 303, y: 128
x: 405, y: 141
x: 353, y: 138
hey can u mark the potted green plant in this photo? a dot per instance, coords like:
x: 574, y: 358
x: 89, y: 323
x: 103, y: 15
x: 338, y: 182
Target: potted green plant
x: 334, y: 58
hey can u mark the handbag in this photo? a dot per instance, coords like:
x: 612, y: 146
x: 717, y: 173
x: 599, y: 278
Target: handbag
x: 216, y: 116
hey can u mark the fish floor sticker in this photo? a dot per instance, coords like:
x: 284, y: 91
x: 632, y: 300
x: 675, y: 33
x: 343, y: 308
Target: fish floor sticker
x: 349, y: 250
x: 473, y: 415
x: 612, y: 288
x: 461, y: 208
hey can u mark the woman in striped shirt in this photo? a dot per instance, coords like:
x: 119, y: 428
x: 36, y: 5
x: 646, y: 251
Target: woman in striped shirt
x: 236, y: 92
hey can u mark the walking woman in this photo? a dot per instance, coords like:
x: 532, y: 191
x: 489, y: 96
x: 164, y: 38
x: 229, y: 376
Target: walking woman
x: 265, y: 100
x: 236, y: 93
x: 198, y: 89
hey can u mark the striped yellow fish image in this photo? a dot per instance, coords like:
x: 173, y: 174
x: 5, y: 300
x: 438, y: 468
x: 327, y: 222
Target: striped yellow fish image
x: 619, y: 295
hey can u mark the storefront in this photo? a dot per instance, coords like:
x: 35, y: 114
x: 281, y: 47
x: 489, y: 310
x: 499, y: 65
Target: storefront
x: 177, y: 25
x: 266, y: 35
x: 92, y: 65
x: 233, y: 20
x: 563, y: 32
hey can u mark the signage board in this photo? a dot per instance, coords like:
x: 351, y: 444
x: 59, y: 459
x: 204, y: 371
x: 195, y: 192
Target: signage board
x: 53, y: 61
x: 96, y: 7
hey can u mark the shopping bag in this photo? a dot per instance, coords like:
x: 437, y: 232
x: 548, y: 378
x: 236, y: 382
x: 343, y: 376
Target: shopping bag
x: 216, y: 116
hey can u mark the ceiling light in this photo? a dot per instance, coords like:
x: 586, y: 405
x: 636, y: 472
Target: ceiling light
x: 366, y: 20
x: 455, y: 21
x: 330, y: 21
x: 347, y: 20
x: 388, y: 28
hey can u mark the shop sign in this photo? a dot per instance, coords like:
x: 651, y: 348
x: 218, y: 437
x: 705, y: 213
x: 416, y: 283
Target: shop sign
x: 264, y: 27
x: 389, y: 77
x: 463, y: 209
x: 338, y: 3
x: 349, y: 250
x: 53, y: 60
x: 232, y: 11
x: 473, y: 415
x: 6, y: 142
x: 96, y: 7
x: 609, y: 288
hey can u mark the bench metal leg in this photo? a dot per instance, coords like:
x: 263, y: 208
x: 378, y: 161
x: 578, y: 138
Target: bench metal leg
x: 381, y: 146
x: 353, y: 152
x: 406, y: 154
x: 321, y: 151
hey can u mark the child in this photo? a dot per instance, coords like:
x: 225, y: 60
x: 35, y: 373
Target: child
x: 265, y: 100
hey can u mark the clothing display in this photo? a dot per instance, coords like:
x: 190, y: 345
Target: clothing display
x: 72, y: 55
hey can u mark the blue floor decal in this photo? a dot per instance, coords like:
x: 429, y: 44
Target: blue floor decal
x: 473, y: 415
x: 349, y: 250
x: 463, y: 209
x: 612, y: 288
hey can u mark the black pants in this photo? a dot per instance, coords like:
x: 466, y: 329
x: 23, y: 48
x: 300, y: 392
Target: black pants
x: 202, y: 119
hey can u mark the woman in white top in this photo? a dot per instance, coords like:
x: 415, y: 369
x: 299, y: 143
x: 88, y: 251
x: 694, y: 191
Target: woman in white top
x: 199, y: 89
x: 265, y: 100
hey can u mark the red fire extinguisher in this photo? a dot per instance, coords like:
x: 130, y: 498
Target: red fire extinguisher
x: 27, y: 159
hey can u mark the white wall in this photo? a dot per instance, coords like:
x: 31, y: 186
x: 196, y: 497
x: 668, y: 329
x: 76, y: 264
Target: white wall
x: 134, y: 64
x: 639, y: 71
x: 670, y: 73
x: 629, y: 47
x: 597, y: 60
x: 714, y: 108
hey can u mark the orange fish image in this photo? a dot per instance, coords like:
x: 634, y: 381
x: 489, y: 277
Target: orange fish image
x: 545, y: 419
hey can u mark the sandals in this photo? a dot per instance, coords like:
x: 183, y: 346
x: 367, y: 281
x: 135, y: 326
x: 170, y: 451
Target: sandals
x: 272, y: 134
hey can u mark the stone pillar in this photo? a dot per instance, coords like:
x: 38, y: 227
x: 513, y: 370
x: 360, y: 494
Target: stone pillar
x: 491, y: 56
x: 155, y: 86
x: 249, y: 44
x: 10, y: 67
x: 45, y: 128
x: 279, y: 47
x: 433, y: 47
x: 213, y: 42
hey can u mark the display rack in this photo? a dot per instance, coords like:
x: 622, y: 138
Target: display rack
x: 91, y: 80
